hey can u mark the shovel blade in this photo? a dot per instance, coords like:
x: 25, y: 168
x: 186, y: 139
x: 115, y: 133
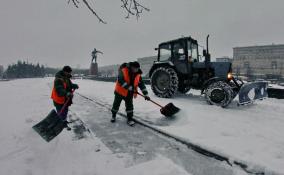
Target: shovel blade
x: 169, y: 110
x: 252, y: 91
x: 50, y: 126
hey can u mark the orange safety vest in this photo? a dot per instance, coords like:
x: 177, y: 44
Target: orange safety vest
x: 123, y: 91
x: 55, y: 97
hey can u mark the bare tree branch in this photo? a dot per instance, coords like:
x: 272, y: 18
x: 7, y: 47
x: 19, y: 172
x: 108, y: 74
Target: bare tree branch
x: 132, y: 7
x: 75, y: 2
x: 93, y: 11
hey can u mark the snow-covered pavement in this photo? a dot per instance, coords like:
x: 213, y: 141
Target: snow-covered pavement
x: 252, y: 134
x: 140, y: 144
x: 25, y: 102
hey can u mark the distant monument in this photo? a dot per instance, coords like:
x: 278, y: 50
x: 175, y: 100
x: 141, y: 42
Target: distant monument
x: 94, y: 70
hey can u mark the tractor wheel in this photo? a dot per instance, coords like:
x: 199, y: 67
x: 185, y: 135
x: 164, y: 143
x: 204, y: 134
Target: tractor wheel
x: 164, y: 82
x: 219, y: 93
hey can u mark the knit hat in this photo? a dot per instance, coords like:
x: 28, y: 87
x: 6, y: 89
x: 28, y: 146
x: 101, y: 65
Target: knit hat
x: 67, y: 69
x: 134, y: 64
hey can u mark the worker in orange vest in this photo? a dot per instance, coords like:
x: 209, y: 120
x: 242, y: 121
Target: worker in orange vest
x: 128, y: 80
x: 62, y: 90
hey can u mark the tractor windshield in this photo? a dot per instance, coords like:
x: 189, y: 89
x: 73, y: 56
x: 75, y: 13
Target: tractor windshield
x: 165, y: 52
x: 192, y: 52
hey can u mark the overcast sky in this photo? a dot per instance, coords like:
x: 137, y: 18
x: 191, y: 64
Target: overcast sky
x: 54, y: 33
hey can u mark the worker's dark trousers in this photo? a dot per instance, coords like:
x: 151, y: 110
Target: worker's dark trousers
x: 64, y: 112
x: 128, y: 105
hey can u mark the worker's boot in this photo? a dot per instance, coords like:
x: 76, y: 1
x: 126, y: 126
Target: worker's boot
x: 130, y: 120
x: 113, y: 118
x: 65, y: 123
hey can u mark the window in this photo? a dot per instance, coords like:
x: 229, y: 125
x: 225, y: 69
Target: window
x: 189, y: 49
x: 165, y: 52
x: 246, y: 64
x: 178, y: 52
x: 238, y: 71
x: 194, y: 54
x: 274, y: 64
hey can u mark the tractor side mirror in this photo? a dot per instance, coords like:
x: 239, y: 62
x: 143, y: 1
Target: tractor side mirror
x: 156, y: 48
x: 204, y: 52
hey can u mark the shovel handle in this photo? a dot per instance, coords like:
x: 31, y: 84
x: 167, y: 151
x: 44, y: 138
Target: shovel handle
x: 65, y: 104
x: 150, y: 100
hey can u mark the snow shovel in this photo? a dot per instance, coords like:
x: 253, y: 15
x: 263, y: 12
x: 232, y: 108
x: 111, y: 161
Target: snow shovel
x: 52, y: 125
x: 168, y: 110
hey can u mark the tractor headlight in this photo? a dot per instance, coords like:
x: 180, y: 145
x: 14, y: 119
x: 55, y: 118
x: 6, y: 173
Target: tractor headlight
x: 230, y: 76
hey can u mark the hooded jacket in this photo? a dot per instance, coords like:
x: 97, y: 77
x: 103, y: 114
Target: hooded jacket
x: 62, y: 85
x: 126, y: 79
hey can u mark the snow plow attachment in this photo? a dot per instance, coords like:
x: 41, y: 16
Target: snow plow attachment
x: 252, y: 91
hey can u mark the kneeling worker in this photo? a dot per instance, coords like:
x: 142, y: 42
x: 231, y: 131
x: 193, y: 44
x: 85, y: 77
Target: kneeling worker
x: 128, y: 80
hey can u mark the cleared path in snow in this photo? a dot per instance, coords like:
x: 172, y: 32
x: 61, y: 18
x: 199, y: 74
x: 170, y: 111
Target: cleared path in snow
x: 142, y: 144
x: 251, y: 134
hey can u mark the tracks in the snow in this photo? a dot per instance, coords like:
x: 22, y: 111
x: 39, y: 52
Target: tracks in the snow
x: 191, y: 146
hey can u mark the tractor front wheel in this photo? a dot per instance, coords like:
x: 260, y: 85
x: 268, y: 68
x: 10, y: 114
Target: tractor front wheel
x: 164, y: 82
x: 219, y: 93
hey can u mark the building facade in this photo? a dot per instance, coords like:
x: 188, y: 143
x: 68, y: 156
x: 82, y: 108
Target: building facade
x: 259, y: 61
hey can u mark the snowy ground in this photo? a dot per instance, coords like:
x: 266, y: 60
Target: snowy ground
x: 111, y: 149
x: 252, y: 134
x: 25, y: 102
x: 141, y: 144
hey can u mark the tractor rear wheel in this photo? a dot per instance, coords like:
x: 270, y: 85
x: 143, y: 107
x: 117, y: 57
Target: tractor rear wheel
x: 164, y: 82
x: 219, y: 93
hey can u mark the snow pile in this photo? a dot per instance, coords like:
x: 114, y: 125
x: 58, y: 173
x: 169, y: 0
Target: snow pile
x: 253, y: 134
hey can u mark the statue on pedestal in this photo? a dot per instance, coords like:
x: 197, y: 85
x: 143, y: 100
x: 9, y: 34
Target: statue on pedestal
x: 94, y: 70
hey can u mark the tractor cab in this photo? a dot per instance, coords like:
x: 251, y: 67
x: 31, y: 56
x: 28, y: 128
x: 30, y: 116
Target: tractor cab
x: 181, y: 52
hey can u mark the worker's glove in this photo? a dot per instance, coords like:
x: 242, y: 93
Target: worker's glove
x: 147, y: 98
x: 69, y: 95
x: 75, y: 86
x: 130, y: 88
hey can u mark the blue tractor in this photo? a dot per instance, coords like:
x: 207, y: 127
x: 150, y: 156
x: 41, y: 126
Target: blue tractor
x: 179, y: 68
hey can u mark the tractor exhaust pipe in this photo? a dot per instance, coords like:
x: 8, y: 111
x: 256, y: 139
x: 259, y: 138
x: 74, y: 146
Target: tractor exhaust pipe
x: 208, y: 56
x: 207, y: 38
